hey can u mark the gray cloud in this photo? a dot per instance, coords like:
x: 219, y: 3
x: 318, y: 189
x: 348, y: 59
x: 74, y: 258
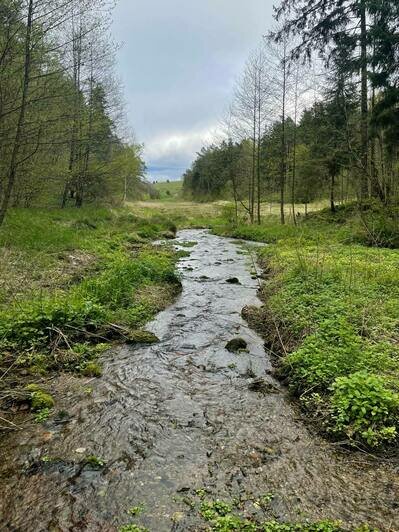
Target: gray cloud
x: 178, y: 64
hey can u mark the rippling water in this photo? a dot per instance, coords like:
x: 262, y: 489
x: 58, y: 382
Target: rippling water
x: 179, y: 415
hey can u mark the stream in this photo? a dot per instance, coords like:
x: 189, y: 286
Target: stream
x: 183, y: 415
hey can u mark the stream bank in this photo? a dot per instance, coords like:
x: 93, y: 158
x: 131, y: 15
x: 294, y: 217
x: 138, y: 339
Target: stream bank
x: 172, y: 421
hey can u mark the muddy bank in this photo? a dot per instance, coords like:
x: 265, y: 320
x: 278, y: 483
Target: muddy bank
x: 183, y: 415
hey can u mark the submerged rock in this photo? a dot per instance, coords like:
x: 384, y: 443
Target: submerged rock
x: 142, y: 337
x: 261, y: 385
x: 233, y: 280
x: 236, y: 345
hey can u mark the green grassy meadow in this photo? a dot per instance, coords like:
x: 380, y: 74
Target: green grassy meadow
x: 331, y: 319
x: 72, y: 281
x: 171, y: 191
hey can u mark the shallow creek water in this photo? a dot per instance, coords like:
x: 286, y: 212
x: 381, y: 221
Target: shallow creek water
x: 178, y: 416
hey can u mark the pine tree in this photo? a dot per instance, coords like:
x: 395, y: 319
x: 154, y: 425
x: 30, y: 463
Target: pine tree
x: 331, y: 27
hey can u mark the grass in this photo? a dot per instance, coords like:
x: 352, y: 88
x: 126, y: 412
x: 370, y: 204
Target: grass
x: 331, y: 315
x: 171, y: 191
x: 184, y: 213
x: 76, y: 280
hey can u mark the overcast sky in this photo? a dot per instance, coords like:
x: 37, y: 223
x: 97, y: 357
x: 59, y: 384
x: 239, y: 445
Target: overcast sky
x: 178, y: 64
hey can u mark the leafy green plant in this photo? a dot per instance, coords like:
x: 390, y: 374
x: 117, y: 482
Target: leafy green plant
x: 364, y: 408
x: 136, y: 510
x: 42, y: 415
x: 132, y: 528
x: 212, y: 509
x: 95, y: 461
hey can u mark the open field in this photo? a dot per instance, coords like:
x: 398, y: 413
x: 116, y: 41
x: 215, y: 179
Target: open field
x: 204, y: 212
x: 169, y: 191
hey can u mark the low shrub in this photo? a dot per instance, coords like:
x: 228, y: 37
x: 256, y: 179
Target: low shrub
x: 364, y: 408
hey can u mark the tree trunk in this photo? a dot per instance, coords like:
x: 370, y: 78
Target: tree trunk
x: 283, y: 143
x: 332, y: 194
x: 293, y: 184
x: 364, y: 102
x: 258, y: 151
x: 21, y: 117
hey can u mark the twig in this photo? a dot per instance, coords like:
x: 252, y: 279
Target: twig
x: 62, y: 335
x: 5, y: 373
x: 10, y: 423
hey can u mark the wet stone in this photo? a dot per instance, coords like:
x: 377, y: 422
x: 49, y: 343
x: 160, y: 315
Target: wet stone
x: 236, y: 345
x: 142, y: 337
x: 233, y: 280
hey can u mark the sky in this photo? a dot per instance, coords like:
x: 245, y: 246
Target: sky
x: 178, y: 63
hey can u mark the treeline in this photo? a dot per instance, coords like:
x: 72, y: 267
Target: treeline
x: 315, y: 113
x: 59, y: 107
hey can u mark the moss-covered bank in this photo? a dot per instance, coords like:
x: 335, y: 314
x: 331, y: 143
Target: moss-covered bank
x: 72, y: 282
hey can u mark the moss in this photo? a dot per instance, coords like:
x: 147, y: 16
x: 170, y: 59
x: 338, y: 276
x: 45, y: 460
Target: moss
x: 92, y: 369
x: 141, y: 336
x: 39, y: 399
x: 169, y: 235
x: 236, y: 345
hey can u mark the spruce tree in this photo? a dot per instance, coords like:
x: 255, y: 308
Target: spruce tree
x: 334, y: 27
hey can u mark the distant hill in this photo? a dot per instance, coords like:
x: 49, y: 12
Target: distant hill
x: 169, y: 190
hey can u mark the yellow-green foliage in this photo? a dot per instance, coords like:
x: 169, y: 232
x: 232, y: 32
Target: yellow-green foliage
x: 39, y: 399
x: 112, y: 291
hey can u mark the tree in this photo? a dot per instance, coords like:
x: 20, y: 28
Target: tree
x: 250, y: 109
x: 330, y: 26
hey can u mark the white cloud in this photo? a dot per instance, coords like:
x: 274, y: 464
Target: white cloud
x: 178, y: 148
x: 178, y: 65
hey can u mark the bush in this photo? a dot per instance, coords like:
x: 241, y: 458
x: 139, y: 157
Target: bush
x: 364, y: 408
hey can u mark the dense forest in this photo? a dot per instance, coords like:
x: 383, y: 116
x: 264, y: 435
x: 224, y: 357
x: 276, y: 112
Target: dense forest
x: 62, y: 138
x: 314, y: 114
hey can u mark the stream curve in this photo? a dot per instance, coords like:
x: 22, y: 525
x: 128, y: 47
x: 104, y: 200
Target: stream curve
x: 183, y: 415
